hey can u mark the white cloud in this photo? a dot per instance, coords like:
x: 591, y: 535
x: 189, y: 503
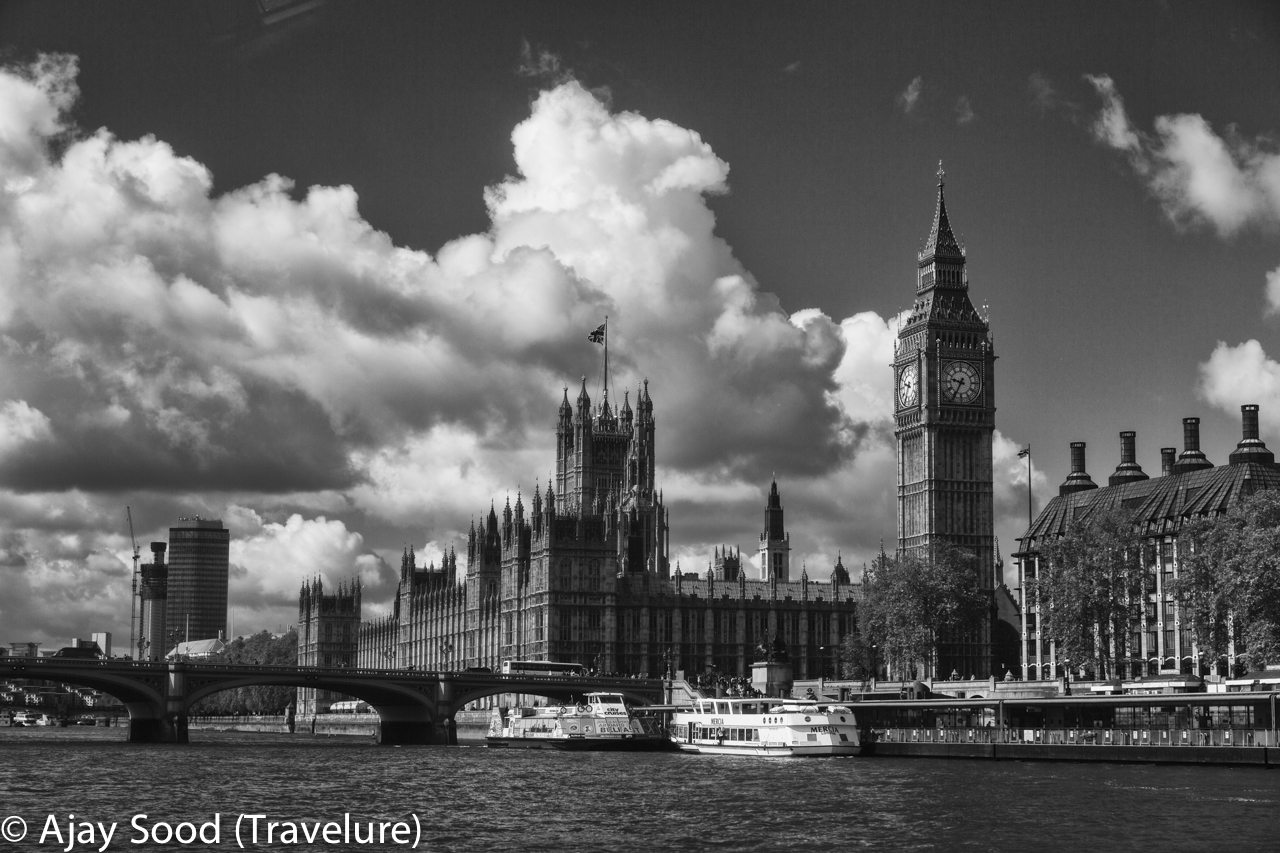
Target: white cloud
x: 1200, y: 177
x: 269, y: 355
x: 909, y: 97
x: 19, y: 425
x: 964, y: 110
x: 1240, y: 374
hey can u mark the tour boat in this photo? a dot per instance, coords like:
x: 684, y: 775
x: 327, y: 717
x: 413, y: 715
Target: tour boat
x: 599, y: 721
x: 763, y: 726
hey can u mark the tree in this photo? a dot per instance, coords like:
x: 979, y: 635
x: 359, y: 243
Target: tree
x: 913, y: 601
x: 1090, y: 591
x: 855, y: 657
x: 259, y: 649
x: 1229, y: 579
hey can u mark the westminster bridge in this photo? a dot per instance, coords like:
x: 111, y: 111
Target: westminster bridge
x: 413, y: 707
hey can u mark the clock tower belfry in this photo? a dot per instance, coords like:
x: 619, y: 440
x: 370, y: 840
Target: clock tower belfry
x: 944, y: 417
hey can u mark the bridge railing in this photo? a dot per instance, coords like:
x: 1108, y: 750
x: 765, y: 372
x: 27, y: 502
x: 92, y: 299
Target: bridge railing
x: 50, y: 665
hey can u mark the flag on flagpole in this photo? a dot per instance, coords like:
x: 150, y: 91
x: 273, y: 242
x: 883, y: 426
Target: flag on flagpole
x: 597, y: 337
x: 1024, y: 452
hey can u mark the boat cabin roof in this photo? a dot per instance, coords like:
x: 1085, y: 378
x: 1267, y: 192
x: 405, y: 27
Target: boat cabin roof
x: 765, y: 705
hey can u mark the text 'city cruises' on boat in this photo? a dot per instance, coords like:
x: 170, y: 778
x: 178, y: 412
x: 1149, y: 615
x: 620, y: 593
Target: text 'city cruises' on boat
x: 762, y: 726
x: 599, y: 721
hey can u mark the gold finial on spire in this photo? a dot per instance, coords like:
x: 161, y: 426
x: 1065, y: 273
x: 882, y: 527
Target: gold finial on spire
x: 942, y: 173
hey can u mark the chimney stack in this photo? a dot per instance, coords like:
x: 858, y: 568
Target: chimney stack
x: 1128, y: 471
x: 1078, y: 480
x: 1167, y: 455
x: 1251, y: 448
x: 1192, y: 457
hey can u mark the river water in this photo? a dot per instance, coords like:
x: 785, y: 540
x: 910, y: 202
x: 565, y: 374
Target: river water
x: 471, y: 798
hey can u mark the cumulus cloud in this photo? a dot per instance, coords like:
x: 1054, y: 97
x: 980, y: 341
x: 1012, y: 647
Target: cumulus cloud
x: 1227, y: 182
x: 1223, y: 181
x: 909, y: 97
x: 295, y: 550
x: 1242, y: 373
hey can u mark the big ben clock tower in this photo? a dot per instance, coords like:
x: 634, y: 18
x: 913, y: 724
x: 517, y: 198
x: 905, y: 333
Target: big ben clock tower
x: 944, y: 415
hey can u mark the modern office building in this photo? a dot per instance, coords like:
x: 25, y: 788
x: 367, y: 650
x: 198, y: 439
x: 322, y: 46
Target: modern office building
x: 103, y: 639
x: 197, y: 584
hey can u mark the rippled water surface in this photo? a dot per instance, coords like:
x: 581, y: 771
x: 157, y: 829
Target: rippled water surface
x: 476, y: 799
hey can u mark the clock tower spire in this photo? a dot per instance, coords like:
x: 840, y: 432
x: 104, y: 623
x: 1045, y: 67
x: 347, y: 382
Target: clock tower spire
x: 944, y: 417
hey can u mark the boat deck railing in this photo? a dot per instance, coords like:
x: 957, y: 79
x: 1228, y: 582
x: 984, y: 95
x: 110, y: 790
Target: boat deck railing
x: 1232, y: 737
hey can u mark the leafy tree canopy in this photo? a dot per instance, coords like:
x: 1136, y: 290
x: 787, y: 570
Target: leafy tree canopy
x: 258, y: 649
x: 913, y: 600
x: 1229, y: 576
x: 1090, y: 590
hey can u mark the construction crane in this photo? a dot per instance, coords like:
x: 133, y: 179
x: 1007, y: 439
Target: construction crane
x: 133, y: 598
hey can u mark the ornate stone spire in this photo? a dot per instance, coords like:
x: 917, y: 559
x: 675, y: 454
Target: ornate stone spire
x: 941, y: 242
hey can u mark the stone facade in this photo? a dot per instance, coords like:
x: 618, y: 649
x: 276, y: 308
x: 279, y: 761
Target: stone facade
x: 944, y: 413
x: 328, y: 625
x: 582, y: 574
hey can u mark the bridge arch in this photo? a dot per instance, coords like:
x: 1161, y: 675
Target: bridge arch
x: 413, y: 707
x: 141, y: 686
x: 406, y: 709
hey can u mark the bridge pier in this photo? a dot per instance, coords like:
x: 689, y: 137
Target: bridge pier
x: 169, y: 729
x: 397, y: 732
x: 447, y: 732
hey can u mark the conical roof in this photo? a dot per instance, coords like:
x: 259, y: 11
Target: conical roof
x: 941, y: 242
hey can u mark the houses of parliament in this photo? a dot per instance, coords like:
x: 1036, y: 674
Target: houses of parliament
x: 581, y: 572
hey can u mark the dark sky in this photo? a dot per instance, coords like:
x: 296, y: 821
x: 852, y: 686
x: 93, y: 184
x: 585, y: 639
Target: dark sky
x: 741, y: 187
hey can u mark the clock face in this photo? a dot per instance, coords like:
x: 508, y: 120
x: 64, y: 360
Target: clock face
x: 908, y: 386
x: 960, y: 382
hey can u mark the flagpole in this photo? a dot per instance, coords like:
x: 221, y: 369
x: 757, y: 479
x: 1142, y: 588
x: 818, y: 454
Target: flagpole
x: 606, y: 356
x: 1028, y: 487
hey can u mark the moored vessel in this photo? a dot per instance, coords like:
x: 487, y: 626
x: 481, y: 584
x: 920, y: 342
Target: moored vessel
x: 599, y: 721
x: 765, y: 727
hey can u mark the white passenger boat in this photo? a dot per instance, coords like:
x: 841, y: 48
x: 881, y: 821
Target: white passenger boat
x: 599, y: 721
x: 762, y: 726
